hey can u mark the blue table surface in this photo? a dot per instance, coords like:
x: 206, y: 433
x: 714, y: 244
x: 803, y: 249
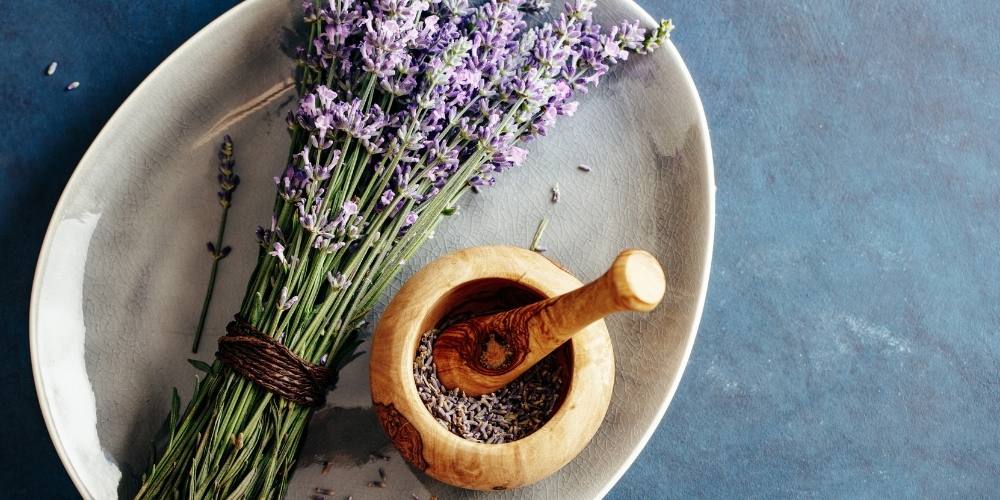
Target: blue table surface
x: 850, y: 345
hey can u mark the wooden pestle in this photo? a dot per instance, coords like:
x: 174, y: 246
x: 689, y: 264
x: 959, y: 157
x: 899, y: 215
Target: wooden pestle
x: 483, y: 354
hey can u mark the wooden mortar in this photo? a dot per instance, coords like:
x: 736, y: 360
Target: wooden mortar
x: 477, y: 280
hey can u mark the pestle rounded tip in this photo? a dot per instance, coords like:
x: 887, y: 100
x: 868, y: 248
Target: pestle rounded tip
x: 639, y: 280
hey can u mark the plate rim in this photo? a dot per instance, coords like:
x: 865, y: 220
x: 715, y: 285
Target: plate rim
x: 179, y: 52
x: 57, y: 213
x: 706, y: 146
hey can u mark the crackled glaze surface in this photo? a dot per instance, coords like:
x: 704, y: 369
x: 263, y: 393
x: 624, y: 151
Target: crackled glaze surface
x: 120, y: 278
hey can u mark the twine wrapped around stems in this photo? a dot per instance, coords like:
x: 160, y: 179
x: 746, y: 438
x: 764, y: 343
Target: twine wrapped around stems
x: 265, y: 362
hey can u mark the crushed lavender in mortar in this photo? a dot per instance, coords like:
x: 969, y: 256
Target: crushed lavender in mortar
x: 509, y: 414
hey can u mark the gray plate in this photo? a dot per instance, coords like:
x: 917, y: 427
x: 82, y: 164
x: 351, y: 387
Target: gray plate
x: 123, y: 268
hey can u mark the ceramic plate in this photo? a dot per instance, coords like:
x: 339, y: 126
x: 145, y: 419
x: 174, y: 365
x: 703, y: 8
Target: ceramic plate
x: 123, y: 269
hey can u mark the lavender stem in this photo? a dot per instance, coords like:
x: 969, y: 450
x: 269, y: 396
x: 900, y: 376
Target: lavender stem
x: 211, y: 283
x: 228, y: 181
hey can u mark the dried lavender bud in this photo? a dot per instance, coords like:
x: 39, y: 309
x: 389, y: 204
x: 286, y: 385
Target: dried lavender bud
x: 535, y: 6
x: 376, y: 484
x: 326, y: 468
x: 73, y: 86
x: 51, y: 69
x: 506, y: 415
x: 381, y: 474
x: 585, y: 168
x: 325, y: 491
x: 555, y: 193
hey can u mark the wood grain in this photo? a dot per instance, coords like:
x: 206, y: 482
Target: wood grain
x: 483, y: 354
x: 431, y: 295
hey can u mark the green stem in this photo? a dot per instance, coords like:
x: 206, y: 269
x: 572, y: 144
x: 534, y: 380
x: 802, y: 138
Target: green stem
x: 216, y: 257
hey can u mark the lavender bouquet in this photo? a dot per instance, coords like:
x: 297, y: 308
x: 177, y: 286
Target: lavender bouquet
x: 404, y: 106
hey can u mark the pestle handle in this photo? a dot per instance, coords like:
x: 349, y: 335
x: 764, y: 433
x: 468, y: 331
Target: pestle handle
x: 634, y: 282
x: 483, y: 354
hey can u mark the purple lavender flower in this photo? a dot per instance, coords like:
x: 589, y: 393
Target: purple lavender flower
x: 338, y: 281
x: 410, y: 219
x: 387, y: 196
x: 284, y: 301
x: 404, y: 98
x: 279, y: 253
x: 291, y: 184
x: 630, y: 35
x: 348, y: 209
x: 326, y: 243
x: 325, y: 95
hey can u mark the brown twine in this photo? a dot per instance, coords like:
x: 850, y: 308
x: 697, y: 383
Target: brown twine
x: 267, y: 363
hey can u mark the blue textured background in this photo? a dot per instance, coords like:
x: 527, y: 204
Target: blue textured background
x: 851, y: 342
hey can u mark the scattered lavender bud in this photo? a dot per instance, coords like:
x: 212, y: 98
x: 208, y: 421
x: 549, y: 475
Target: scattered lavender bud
x: 535, y: 6
x: 540, y: 249
x: 475, y: 189
x: 325, y: 491
x: 381, y: 474
x: 585, y: 168
x: 555, y: 193
x: 376, y: 484
x: 317, y: 497
x: 51, y: 69
x: 326, y: 468
x: 73, y: 86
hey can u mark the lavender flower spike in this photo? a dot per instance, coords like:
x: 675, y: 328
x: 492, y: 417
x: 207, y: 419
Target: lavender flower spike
x: 228, y: 181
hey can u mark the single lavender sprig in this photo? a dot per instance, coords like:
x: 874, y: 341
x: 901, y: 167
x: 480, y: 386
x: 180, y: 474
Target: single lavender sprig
x: 228, y: 182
